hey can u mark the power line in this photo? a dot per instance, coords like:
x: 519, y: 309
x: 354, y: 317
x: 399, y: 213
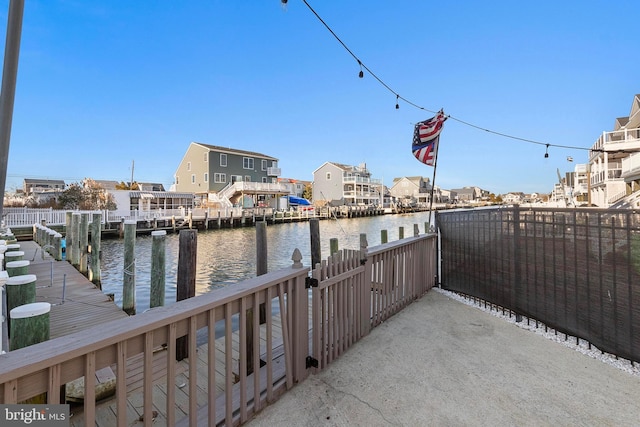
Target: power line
x: 413, y: 104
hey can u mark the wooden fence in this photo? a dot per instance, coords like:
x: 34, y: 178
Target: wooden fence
x: 223, y: 382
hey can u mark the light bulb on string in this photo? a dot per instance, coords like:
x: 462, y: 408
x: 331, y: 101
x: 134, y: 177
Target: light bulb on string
x: 546, y: 152
x: 397, y: 105
x: 361, y: 73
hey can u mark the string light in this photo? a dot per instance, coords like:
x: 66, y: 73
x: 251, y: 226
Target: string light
x: 546, y: 152
x: 398, y: 97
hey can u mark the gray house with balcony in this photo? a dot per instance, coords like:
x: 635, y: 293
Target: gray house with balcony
x: 338, y: 184
x: 227, y: 176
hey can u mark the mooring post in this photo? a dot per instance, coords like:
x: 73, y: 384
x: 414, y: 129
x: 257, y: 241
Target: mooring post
x: 96, y: 239
x: 83, y: 243
x: 316, y: 253
x: 68, y: 234
x: 333, y: 246
x: 75, y: 237
x: 384, y: 236
x: 57, y: 244
x: 129, y: 272
x: 416, y: 230
x: 401, y: 233
x: 186, y: 287
x: 157, y: 268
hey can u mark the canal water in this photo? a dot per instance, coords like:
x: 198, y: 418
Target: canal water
x: 228, y: 256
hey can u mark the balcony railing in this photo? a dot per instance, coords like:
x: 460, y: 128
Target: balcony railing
x: 274, y: 171
x: 631, y: 165
x: 361, y: 180
x: 616, y: 140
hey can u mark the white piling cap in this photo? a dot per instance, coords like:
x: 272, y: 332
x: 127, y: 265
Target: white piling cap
x: 30, y: 310
x: 159, y: 233
x: 21, y: 280
x: 18, y: 263
x: 12, y: 254
x: 13, y: 246
x: 130, y: 221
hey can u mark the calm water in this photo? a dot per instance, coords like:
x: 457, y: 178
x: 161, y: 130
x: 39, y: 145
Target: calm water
x: 228, y: 256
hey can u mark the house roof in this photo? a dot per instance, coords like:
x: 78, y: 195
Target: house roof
x: 234, y: 151
x: 43, y: 181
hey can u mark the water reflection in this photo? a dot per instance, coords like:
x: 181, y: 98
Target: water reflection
x: 227, y: 256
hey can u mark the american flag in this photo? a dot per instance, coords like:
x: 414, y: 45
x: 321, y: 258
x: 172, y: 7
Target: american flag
x: 426, y: 135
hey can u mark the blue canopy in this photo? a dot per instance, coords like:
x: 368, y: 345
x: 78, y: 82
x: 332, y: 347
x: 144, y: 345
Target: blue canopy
x: 293, y: 200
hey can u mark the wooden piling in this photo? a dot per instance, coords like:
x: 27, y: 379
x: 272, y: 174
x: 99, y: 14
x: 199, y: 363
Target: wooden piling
x: 157, y: 268
x: 75, y: 240
x: 20, y: 290
x: 333, y: 246
x: 400, y: 233
x: 314, y: 231
x: 416, y: 230
x: 29, y: 324
x: 83, y: 244
x: 96, y: 237
x: 68, y: 234
x: 186, y: 286
x: 17, y: 268
x: 384, y: 236
x: 129, y: 272
x: 57, y: 246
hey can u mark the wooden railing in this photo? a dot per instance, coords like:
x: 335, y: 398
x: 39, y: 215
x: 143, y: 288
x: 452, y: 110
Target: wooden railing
x: 43, y: 368
x: 354, y: 291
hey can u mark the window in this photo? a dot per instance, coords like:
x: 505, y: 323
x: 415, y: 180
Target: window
x: 264, y: 165
x: 247, y: 178
x: 206, y: 177
x: 328, y: 176
x: 193, y: 179
x: 264, y: 179
x: 223, y: 160
x: 188, y: 166
x: 219, y: 177
x: 247, y: 163
x: 206, y: 157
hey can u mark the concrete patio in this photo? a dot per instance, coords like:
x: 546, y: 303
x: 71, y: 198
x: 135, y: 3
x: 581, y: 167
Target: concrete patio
x: 441, y: 362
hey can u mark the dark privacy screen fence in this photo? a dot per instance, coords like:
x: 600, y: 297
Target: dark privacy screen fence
x: 575, y: 270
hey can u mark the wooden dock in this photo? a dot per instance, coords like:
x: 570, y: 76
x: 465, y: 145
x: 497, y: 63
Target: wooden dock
x: 84, y: 304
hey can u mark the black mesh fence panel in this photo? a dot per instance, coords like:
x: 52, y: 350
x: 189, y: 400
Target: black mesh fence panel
x: 575, y: 270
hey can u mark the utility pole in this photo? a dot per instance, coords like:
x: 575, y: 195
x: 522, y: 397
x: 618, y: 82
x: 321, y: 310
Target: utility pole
x: 8, y: 91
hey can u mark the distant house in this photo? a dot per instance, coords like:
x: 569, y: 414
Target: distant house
x: 227, y: 176
x: 30, y: 185
x: 414, y: 188
x: 468, y: 194
x: 340, y: 184
x: 513, y: 198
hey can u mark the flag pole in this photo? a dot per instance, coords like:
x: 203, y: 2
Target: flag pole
x: 433, y: 181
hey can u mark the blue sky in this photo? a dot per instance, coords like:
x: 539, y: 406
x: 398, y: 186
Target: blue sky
x: 104, y: 83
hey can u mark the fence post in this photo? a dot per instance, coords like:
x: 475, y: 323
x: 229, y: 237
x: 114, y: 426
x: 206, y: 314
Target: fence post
x: 129, y: 275
x: 187, y: 251
x: 96, y: 238
x: 157, y: 268
x: 300, y: 333
x: 517, y: 273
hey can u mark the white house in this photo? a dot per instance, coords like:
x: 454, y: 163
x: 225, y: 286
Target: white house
x: 340, y: 184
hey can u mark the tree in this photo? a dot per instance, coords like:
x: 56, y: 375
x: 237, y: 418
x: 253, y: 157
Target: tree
x: 127, y: 186
x: 90, y: 197
x: 72, y: 197
x: 307, y: 193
